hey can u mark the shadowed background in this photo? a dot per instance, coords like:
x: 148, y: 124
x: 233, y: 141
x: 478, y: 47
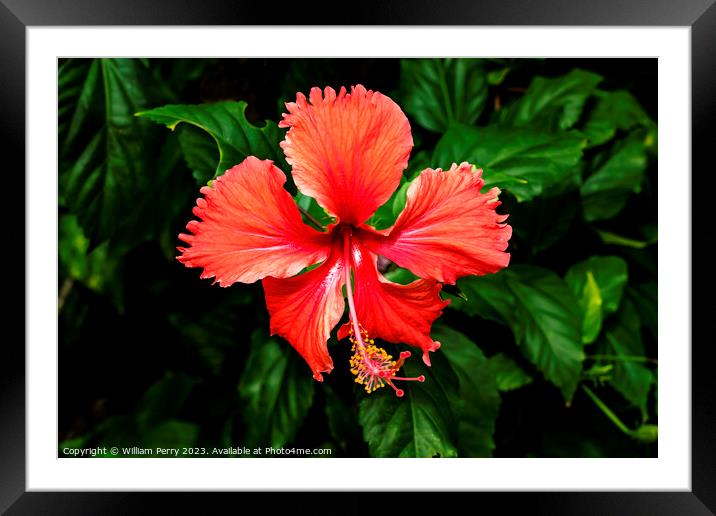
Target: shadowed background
x: 150, y: 355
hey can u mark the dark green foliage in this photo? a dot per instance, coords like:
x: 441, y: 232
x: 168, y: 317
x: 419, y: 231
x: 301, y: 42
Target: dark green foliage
x: 508, y: 374
x: 225, y: 122
x: 598, y: 284
x: 107, y: 155
x: 421, y: 424
x: 277, y: 391
x: 552, y: 103
x: 539, y: 359
x: 478, y: 401
x: 605, y: 192
x: 525, y: 162
x: 440, y: 93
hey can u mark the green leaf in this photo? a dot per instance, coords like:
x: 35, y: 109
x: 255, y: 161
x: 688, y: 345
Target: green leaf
x: 552, y: 103
x: 418, y: 162
x: 420, y: 424
x: 94, y: 269
x: 487, y: 296
x: 606, y: 191
x: 496, y: 77
x: 590, y: 302
x: 547, y: 325
x: 399, y: 199
x: 171, y: 434
x: 342, y: 419
x: 107, y: 156
x: 310, y: 205
x: 610, y: 273
x: 615, y: 110
x: 644, y: 296
x: 524, y: 161
x: 164, y: 400
x: 199, y: 151
x: 438, y: 93
x: 598, y: 132
x: 544, y: 221
x: 176, y: 73
x: 278, y: 390
x: 598, y: 284
x: 508, y: 374
x: 234, y: 136
x: 478, y: 401
x: 647, y: 433
x: 542, y: 312
x: 211, y: 335
x: 632, y: 379
x: 385, y: 215
x: 78, y: 85
x: 454, y: 290
x: 400, y: 275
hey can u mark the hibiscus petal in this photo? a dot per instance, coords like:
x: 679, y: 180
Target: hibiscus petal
x: 347, y: 150
x: 304, y: 309
x: 392, y: 312
x: 250, y: 228
x: 448, y: 228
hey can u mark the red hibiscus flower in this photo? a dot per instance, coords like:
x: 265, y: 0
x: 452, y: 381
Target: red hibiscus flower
x: 348, y: 152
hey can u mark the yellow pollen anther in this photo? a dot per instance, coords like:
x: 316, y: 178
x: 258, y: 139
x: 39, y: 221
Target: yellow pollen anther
x: 372, y: 366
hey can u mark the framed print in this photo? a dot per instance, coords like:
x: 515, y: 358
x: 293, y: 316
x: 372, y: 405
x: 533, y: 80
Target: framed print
x: 259, y: 261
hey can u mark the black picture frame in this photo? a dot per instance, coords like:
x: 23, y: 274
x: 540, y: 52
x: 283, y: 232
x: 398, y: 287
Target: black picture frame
x: 699, y: 15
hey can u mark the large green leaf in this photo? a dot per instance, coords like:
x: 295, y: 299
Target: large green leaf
x: 107, y: 156
x: 164, y: 400
x: 598, y: 284
x: 552, y: 103
x: 234, y: 136
x: 615, y: 110
x: 547, y: 325
x: 605, y: 192
x: 486, y: 296
x: 277, y: 388
x: 508, y: 374
x: 542, y: 312
x: 438, y: 93
x: 544, y: 221
x: 342, y: 419
x: 590, y: 301
x: 631, y: 378
x: 524, y: 161
x: 78, y: 85
x: 478, y: 401
x: 199, y: 151
x: 420, y: 424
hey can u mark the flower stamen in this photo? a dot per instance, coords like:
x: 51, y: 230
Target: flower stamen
x: 371, y: 365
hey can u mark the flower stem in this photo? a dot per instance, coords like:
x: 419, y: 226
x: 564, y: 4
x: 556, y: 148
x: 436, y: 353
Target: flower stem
x: 624, y: 358
x: 607, y: 411
x: 64, y: 292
